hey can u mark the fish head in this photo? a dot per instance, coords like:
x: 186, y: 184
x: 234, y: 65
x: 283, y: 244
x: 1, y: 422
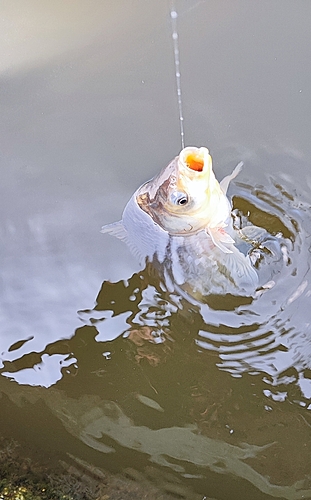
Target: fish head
x: 185, y: 197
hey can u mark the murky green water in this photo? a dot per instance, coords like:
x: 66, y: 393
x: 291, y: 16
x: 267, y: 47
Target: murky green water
x: 98, y: 358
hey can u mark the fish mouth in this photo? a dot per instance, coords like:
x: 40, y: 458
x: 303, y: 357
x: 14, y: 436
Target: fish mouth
x: 195, y: 159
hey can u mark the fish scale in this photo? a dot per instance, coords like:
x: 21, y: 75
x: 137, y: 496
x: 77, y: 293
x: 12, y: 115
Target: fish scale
x: 194, y: 242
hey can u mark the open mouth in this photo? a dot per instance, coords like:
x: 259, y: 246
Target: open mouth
x: 195, y: 161
x: 194, y: 158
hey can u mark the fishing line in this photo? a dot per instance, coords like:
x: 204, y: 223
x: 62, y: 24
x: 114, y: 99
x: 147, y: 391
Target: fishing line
x: 174, y: 16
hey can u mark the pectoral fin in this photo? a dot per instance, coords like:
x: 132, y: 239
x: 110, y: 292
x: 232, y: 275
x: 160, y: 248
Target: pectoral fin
x: 116, y: 229
x: 220, y: 238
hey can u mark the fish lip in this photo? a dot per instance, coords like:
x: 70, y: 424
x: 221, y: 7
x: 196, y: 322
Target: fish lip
x: 200, y: 155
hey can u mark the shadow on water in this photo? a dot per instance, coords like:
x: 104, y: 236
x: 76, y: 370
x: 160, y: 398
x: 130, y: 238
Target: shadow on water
x: 204, y: 389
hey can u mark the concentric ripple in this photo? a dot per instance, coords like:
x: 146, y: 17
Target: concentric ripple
x: 269, y: 335
x: 205, y: 388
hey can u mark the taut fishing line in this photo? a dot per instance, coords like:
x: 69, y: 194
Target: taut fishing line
x: 174, y: 16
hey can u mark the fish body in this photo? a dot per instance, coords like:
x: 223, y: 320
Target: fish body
x: 182, y: 219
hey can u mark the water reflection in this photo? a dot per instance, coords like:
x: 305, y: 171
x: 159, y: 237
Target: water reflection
x: 221, y: 386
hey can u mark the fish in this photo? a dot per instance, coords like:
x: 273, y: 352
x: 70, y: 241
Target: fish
x: 181, y: 219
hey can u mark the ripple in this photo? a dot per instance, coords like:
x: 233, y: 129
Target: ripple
x: 270, y: 335
x: 226, y: 365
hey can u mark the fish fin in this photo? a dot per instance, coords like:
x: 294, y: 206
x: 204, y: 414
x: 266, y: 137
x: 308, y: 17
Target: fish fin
x: 220, y: 238
x: 116, y: 229
x: 224, y: 184
x: 137, y: 254
x: 241, y: 270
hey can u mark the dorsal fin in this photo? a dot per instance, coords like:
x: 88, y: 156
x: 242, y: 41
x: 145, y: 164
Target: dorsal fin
x: 224, y: 184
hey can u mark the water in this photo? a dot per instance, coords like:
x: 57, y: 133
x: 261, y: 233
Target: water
x: 98, y: 360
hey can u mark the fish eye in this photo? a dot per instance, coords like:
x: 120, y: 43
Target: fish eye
x: 179, y: 198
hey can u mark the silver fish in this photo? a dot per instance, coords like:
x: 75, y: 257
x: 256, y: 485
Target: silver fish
x: 182, y: 220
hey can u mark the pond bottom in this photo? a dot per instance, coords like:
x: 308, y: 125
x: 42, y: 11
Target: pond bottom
x: 25, y: 475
